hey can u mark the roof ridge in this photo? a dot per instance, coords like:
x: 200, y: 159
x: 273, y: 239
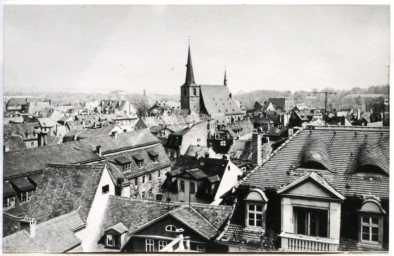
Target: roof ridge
x: 76, y: 165
x: 58, y: 218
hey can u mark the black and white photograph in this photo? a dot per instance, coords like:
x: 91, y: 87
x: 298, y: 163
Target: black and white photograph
x: 196, y: 128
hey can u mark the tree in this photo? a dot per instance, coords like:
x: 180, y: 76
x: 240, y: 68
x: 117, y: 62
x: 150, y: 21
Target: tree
x: 141, y: 105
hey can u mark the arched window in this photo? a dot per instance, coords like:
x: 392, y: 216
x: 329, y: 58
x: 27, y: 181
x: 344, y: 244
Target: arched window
x: 185, y: 92
x: 194, y: 91
x: 171, y: 228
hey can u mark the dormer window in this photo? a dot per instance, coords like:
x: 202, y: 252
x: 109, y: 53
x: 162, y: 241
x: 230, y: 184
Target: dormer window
x: 154, y: 156
x: 256, y: 206
x: 371, y: 223
x: 139, y: 161
x: 124, y: 162
x: 114, y: 235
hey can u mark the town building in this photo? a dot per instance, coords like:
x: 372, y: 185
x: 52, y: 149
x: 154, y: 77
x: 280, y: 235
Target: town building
x: 311, y: 189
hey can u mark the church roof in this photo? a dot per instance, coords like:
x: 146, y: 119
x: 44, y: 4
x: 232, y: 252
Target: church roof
x: 218, y: 99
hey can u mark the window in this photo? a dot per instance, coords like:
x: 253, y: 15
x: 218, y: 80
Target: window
x: 127, y: 167
x: 9, y: 202
x: 199, y: 139
x: 370, y: 228
x: 223, y: 143
x: 182, y: 189
x: 26, y: 196
x: 192, y: 188
x: 150, y: 176
x: 143, y: 179
x: 32, y: 143
x: 162, y: 244
x: 140, y: 163
x: 158, y: 173
x: 194, y: 92
x: 149, y: 245
x: 155, y: 158
x: 255, y: 215
x: 311, y: 222
x: 143, y: 194
x: 112, y: 240
x: 201, y: 248
x: 105, y: 189
x: 171, y: 228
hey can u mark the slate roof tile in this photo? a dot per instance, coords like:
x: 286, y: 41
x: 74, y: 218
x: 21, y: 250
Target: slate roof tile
x: 342, y: 147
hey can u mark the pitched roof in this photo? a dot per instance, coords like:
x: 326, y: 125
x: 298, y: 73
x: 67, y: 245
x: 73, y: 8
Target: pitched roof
x: 118, y: 227
x: 134, y: 213
x: 22, y: 183
x: 218, y: 99
x: 52, y: 236
x: 25, y: 161
x: 14, y: 142
x: 23, y: 129
x: 344, y: 151
x: 63, y: 189
x: 124, y: 140
x: 190, y: 217
x: 131, y: 156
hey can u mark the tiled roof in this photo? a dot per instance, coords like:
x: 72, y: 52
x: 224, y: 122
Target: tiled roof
x: 92, y: 132
x: 14, y: 142
x: 25, y: 161
x: 124, y: 140
x: 53, y: 236
x: 134, y: 213
x: 190, y: 217
x: 218, y: 99
x: 23, y: 129
x: 210, y: 166
x: 148, y: 164
x: 343, y: 151
x: 63, y: 189
x: 238, y: 234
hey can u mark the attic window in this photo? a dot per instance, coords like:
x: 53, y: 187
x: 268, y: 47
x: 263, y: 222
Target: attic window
x: 171, y: 228
x: 153, y: 155
x: 105, y: 189
x: 139, y: 161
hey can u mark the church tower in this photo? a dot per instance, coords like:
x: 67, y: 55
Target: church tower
x: 190, y: 91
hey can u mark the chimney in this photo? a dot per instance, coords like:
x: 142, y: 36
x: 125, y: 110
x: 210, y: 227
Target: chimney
x: 257, y: 148
x: 358, y: 114
x: 187, y: 241
x: 98, y: 150
x: 33, y: 227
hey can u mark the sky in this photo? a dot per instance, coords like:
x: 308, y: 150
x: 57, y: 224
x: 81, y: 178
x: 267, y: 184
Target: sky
x: 101, y: 48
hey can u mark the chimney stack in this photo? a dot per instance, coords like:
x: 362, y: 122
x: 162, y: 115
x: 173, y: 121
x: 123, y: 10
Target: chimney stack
x: 98, y: 150
x: 257, y: 148
x: 33, y: 227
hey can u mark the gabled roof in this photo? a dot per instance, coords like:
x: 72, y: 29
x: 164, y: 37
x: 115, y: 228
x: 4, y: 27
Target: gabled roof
x: 53, y: 236
x: 136, y: 213
x: 218, y: 99
x: 343, y: 145
x: 190, y: 217
x: 63, y: 189
x: 118, y: 227
x: 315, y: 177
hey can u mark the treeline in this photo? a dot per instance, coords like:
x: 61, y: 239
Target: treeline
x: 336, y: 99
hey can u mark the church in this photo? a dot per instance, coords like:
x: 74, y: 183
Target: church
x: 216, y: 101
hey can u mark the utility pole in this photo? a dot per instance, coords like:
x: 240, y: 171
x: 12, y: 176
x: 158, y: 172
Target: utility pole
x: 325, y: 103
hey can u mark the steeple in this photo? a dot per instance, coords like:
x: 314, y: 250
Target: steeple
x: 225, y: 77
x: 189, y: 71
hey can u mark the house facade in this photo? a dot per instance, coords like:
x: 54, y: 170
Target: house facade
x: 324, y: 189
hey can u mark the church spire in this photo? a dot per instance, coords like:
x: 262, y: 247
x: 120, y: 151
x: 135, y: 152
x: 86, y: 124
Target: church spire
x: 225, y: 77
x: 189, y: 71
